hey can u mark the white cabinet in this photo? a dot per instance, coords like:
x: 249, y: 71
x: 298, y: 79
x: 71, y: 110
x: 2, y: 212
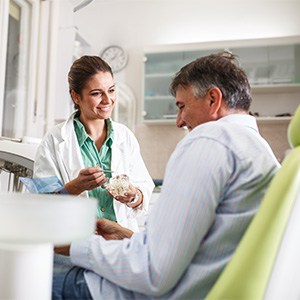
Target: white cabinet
x: 272, y: 66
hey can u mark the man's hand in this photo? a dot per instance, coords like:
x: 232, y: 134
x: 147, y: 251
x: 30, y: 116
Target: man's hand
x: 111, y: 230
x: 108, y: 229
x: 63, y: 250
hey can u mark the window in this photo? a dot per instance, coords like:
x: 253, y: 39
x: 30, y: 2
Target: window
x: 16, y: 94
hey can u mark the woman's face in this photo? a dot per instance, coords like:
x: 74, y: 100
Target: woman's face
x: 98, y: 97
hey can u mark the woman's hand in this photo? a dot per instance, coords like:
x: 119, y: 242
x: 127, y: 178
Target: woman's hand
x: 111, y: 230
x: 88, y: 179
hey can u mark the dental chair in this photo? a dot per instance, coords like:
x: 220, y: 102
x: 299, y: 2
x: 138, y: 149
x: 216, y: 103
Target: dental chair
x: 266, y: 264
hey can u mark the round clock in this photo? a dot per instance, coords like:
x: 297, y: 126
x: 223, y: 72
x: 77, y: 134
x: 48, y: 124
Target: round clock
x: 116, y: 57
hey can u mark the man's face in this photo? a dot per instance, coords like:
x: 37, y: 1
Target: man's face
x: 192, y: 111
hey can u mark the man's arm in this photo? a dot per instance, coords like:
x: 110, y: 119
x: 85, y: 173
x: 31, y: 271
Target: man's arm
x: 108, y: 229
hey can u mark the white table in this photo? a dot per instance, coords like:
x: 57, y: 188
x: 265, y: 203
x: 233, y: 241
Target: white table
x: 30, y: 224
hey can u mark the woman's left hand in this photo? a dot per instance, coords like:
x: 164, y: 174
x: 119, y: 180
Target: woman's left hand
x: 127, y: 198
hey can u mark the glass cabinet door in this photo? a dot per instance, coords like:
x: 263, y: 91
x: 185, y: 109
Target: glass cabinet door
x: 159, y: 70
x: 268, y: 64
x: 270, y: 69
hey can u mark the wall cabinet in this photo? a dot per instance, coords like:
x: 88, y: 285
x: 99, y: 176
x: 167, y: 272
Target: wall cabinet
x: 272, y: 66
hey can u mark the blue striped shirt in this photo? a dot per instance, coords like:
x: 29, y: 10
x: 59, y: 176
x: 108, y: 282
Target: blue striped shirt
x: 213, y: 185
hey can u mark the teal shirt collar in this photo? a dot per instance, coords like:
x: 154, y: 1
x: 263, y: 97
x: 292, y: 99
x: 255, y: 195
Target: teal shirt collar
x: 82, y: 135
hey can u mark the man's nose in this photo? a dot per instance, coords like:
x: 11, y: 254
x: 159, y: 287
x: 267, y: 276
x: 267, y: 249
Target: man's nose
x: 179, y: 122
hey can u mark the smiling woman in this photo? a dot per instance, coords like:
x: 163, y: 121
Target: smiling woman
x: 79, y: 149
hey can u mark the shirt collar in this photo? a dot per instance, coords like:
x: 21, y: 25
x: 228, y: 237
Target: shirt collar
x: 110, y: 132
x: 244, y: 119
x: 82, y: 135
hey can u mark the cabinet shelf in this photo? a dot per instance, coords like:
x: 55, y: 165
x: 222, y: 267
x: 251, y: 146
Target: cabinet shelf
x: 159, y: 75
x: 159, y: 97
x: 160, y: 122
x: 273, y: 120
x: 276, y: 88
x: 260, y: 120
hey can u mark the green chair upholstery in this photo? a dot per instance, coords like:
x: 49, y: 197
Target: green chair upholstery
x: 248, y: 274
x: 294, y: 129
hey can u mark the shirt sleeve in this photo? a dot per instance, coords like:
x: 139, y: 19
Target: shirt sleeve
x: 152, y: 262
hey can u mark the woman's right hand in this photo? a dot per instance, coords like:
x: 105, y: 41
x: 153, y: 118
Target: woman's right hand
x: 88, y: 179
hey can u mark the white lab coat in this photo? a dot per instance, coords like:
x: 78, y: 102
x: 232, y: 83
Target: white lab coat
x: 59, y: 154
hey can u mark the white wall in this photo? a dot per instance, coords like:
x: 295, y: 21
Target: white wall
x: 138, y: 24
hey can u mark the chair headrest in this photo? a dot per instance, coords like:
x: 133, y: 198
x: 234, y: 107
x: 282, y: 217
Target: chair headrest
x: 294, y: 129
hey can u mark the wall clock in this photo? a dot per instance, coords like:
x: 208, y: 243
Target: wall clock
x: 115, y: 56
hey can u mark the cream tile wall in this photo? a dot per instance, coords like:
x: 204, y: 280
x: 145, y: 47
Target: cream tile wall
x: 157, y: 142
x: 276, y: 136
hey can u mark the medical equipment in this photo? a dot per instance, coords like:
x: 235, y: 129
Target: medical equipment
x: 16, y: 159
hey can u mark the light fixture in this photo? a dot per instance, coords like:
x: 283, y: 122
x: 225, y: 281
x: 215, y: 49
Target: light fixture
x: 82, y: 4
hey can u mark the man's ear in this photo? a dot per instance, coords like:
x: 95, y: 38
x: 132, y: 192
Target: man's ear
x: 215, y: 97
x: 75, y: 97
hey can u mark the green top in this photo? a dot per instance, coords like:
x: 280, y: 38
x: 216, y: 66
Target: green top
x: 91, y: 157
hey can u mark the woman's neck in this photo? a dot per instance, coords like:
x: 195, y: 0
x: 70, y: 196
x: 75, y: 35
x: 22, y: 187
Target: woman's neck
x: 97, y: 130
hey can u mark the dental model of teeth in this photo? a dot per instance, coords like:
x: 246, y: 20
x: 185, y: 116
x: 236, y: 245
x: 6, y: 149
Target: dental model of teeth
x: 118, y: 185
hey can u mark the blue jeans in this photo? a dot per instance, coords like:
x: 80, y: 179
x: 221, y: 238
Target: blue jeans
x: 68, y: 280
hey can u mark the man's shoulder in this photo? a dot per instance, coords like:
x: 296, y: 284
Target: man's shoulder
x: 201, y: 134
x: 230, y: 125
x: 210, y: 129
x: 227, y: 134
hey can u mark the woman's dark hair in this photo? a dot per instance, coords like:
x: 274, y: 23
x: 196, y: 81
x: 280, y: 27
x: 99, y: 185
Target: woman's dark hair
x: 82, y: 70
x: 219, y: 70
